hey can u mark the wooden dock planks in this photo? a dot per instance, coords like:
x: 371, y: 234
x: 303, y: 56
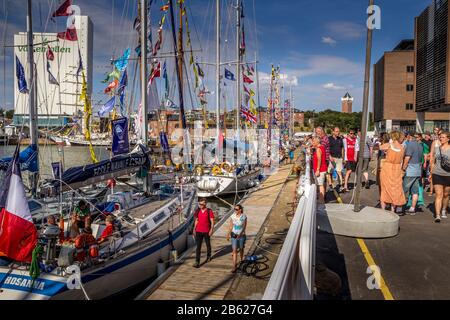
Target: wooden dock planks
x: 213, y: 280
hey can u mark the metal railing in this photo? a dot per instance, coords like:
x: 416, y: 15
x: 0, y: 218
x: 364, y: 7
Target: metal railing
x: 293, y: 275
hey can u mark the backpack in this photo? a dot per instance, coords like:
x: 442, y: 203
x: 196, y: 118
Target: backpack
x: 445, y: 162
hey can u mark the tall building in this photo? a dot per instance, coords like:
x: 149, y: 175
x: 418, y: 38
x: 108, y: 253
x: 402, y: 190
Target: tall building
x: 393, y: 91
x: 56, y: 103
x: 347, y: 103
x: 432, y: 58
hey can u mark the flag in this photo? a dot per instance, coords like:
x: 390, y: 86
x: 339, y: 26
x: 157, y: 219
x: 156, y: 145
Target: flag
x: 106, y: 79
x: 156, y: 73
x: 247, y: 79
x: 246, y: 90
x: 166, y: 81
x: 80, y: 63
x: 20, y: 73
x: 252, y: 93
x: 18, y: 234
x: 50, y: 55
x: 248, y: 116
x: 122, y: 63
x: 115, y: 74
x: 69, y: 34
x: 123, y: 82
x: 165, y: 8
x: 200, y: 71
x: 229, y: 75
x: 112, y: 85
x: 62, y: 10
x: 107, y: 107
x: 51, y: 78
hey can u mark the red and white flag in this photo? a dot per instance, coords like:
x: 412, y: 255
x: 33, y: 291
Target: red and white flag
x: 62, y: 11
x: 247, y: 79
x: 50, y: 55
x: 69, y: 34
x: 155, y: 74
x: 18, y: 234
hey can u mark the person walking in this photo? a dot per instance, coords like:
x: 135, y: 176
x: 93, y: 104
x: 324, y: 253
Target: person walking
x: 325, y: 142
x: 412, y: 166
x: 351, y: 149
x: 440, y: 172
x: 319, y: 167
x: 203, y: 229
x: 236, y: 231
x: 368, y: 151
x: 336, y: 155
x: 392, y: 174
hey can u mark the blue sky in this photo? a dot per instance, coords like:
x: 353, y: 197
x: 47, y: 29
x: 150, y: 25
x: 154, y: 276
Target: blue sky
x: 319, y: 45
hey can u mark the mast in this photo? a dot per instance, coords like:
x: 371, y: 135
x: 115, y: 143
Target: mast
x: 180, y: 51
x: 238, y: 66
x: 32, y: 93
x: 218, y: 73
x: 291, y: 113
x: 186, y: 152
x: 144, y: 107
x: 257, y: 90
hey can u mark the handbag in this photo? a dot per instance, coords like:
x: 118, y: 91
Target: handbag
x: 445, y: 162
x: 234, y: 235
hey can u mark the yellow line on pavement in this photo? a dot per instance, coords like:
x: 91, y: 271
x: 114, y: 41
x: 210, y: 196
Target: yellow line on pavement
x: 384, y: 288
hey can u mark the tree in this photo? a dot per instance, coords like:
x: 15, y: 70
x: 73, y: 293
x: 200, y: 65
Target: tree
x: 2, y: 112
x: 9, y: 114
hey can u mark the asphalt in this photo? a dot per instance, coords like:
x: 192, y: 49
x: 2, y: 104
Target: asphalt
x: 414, y: 264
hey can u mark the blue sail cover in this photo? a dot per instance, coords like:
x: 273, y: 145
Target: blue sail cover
x: 28, y: 160
x: 106, y: 167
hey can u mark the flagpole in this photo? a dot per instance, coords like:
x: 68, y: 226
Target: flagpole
x: 217, y: 76
x: 238, y: 67
x: 32, y: 95
x: 144, y: 106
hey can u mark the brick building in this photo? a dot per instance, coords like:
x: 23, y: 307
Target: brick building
x: 394, y: 92
x: 347, y: 103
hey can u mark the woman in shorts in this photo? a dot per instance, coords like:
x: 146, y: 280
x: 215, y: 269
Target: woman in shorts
x: 236, y: 231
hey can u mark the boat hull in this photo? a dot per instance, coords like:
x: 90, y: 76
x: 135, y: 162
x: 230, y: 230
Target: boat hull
x: 227, y: 185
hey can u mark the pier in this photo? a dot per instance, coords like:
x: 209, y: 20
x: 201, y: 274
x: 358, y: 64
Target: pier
x: 214, y: 280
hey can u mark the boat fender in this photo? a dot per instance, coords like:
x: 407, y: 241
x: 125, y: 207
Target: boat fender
x: 216, y: 171
x: 199, y: 170
x: 173, y: 256
x: 160, y: 267
x: 226, y: 166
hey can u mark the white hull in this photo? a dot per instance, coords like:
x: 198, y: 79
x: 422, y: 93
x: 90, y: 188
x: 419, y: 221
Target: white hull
x: 213, y: 186
x: 133, y: 265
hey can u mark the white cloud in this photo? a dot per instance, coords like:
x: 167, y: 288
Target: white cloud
x: 329, y: 40
x: 332, y: 86
x: 286, y: 79
x: 346, y: 30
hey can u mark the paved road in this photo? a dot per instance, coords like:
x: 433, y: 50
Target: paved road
x: 414, y: 264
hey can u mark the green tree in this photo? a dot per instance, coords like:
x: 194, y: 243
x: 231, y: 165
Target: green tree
x: 9, y: 114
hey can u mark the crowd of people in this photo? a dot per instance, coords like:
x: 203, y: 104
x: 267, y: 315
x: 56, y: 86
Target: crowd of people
x: 406, y: 165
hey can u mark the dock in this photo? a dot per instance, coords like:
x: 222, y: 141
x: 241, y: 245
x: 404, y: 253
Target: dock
x: 214, y: 279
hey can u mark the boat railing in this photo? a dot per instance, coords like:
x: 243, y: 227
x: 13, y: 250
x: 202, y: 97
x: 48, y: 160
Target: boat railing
x: 293, y: 275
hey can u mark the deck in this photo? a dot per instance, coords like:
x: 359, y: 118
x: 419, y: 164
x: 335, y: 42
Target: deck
x: 213, y: 280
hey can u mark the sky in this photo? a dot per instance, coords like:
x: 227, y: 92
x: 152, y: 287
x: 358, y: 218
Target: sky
x: 319, y: 45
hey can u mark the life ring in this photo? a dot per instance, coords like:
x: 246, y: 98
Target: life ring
x: 217, y: 170
x: 199, y: 170
x: 226, y: 166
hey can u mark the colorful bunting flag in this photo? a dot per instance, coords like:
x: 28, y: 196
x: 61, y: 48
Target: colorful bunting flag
x: 107, y: 107
x: 51, y: 78
x: 20, y: 74
x: 69, y: 34
x: 247, y: 79
x: 49, y: 54
x: 122, y: 63
x: 63, y: 11
x: 229, y: 75
x: 112, y: 85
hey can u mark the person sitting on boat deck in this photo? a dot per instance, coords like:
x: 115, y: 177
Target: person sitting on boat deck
x: 74, y: 230
x: 86, y: 245
x: 51, y: 220
x: 109, y: 230
x: 84, y: 214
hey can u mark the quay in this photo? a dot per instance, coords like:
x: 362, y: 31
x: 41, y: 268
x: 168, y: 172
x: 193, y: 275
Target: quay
x: 214, y: 280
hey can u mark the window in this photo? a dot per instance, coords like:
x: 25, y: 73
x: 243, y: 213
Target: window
x: 410, y: 69
x: 409, y: 106
x: 409, y: 87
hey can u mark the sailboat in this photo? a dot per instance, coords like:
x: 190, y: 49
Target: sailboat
x: 151, y: 225
x: 225, y: 178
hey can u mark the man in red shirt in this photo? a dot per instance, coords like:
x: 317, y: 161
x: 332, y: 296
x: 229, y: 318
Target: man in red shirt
x: 203, y: 229
x: 351, y: 148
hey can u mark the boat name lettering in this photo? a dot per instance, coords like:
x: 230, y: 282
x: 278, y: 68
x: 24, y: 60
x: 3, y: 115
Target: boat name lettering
x: 24, y: 282
x: 159, y: 217
x: 118, y: 165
